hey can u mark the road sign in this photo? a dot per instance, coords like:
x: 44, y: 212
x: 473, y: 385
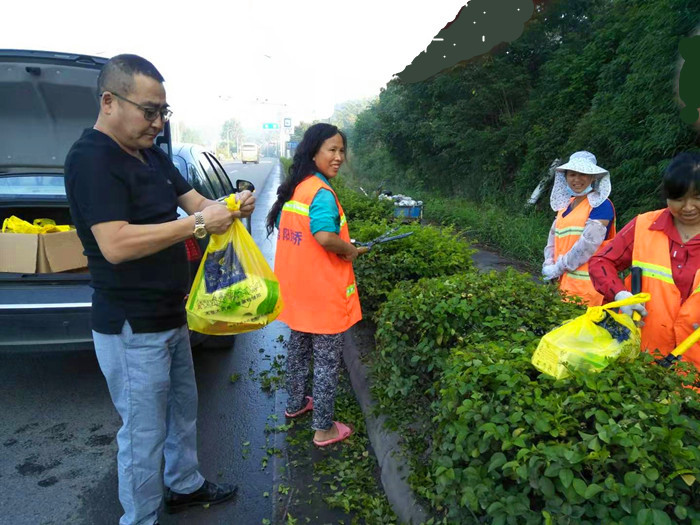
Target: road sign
x: 271, y: 125
x: 292, y: 145
x: 287, y: 123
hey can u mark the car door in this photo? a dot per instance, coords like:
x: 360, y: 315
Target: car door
x: 219, y: 173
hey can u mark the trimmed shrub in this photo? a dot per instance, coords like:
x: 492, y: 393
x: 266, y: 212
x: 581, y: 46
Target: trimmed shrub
x: 421, y: 323
x: 360, y: 207
x: 429, y: 252
x: 513, y: 446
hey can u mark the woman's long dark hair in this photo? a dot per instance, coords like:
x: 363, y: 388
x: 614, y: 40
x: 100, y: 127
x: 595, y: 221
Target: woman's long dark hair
x: 681, y: 174
x: 302, y: 166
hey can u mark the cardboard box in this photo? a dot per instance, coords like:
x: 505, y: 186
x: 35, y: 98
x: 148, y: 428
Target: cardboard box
x: 47, y: 253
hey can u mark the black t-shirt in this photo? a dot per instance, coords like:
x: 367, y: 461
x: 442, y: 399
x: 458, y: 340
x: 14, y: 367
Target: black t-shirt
x: 104, y: 183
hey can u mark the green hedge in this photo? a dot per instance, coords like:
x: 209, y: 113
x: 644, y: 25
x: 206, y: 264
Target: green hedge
x: 430, y: 251
x: 492, y: 440
x: 521, y: 236
x: 422, y: 322
x: 511, y: 446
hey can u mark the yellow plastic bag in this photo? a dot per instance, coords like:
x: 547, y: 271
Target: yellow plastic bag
x: 590, y: 342
x: 14, y: 224
x: 235, y: 290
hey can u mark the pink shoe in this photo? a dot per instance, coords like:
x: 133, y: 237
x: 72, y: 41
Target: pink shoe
x: 309, y: 406
x: 344, y: 432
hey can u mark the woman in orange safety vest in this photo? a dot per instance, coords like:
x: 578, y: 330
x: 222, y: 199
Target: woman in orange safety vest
x: 585, y: 221
x: 313, y: 262
x: 665, y: 244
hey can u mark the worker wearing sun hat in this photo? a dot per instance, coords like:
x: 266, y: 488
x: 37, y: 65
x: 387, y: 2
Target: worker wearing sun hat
x: 585, y: 221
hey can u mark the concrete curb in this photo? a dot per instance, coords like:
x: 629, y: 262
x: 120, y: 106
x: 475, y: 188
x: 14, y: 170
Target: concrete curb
x: 392, y: 463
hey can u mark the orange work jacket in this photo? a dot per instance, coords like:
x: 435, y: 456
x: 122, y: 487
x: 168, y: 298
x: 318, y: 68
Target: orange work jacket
x: 668, y: 322
x: 318, y: 287
x: 568, y: 230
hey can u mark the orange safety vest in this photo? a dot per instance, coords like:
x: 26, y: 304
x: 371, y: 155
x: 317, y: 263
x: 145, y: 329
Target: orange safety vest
x: 568, y: 230
x: 318, y: 287
x: 668, y: 322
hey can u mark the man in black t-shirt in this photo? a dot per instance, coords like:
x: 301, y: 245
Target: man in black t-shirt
x: 123, y: 194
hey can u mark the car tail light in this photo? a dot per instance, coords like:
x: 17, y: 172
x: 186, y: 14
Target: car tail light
x: 193, y: 251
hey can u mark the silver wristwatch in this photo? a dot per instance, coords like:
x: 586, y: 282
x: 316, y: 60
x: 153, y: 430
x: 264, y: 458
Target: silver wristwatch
x: 200, y: 230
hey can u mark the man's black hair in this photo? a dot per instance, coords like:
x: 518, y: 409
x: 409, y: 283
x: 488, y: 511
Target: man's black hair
x: 118, y: 73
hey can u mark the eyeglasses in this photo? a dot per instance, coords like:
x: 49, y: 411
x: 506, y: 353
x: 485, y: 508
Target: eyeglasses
x: 150, y: 114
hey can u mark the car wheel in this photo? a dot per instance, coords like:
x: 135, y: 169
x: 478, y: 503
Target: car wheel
x: 197, y: 339
x: 220, y: 342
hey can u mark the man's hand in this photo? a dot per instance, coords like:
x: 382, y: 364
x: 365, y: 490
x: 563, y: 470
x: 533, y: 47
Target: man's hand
x: 247, y: 200
x: 218, y: 218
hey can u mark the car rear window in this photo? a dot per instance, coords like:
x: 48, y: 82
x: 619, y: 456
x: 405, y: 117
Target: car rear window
x: 32, y: 186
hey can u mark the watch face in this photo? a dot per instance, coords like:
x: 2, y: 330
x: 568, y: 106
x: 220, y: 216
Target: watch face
x: 200, y: 232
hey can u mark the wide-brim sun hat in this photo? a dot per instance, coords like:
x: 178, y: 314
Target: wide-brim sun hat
x: 582, y: 162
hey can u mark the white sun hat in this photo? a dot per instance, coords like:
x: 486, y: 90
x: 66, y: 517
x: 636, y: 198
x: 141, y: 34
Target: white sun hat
x: 583, y: 162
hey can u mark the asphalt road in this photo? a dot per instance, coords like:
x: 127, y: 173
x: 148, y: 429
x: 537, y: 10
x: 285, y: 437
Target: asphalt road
x: 57, y: 431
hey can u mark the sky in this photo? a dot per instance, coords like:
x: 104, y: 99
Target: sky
x: 255, y: 60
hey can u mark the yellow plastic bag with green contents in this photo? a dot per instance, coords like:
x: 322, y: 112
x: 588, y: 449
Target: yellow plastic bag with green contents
x: 235, y: 290
x: 590, y: 342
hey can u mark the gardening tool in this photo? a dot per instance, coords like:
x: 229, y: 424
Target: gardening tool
x: 677, y: 352
x: 636, y: 288
x: 364, y: 247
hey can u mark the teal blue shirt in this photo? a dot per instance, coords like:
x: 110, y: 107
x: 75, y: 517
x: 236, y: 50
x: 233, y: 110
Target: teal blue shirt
x: 324, y: 215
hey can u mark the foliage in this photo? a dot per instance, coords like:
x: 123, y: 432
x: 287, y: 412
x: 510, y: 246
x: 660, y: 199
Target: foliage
x: 494, y: 441
x: 582, y: 76
x: 515, y: 447
x: 357, y: 206
x: 190, y: 135
x: 286, y: 163
x: 345, y: 114
x: 232, y: 134
x: 422, y: 322
x: 429, y: 252
x: 519, y: 236
x: 344, y: 476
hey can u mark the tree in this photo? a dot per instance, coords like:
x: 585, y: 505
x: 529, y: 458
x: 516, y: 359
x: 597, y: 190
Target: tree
x: 190, y: 134
x: 232, y: 133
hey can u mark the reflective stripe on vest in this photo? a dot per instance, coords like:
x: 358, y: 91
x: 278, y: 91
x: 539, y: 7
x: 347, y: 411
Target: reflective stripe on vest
x: 567, y: 231
x: 296, y: 207
x: 576, y: 274
x: 654, y: 271
x: 572, y: 230
x: 668, y: 321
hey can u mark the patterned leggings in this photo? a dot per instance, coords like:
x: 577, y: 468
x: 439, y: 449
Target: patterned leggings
x: 326, y: 351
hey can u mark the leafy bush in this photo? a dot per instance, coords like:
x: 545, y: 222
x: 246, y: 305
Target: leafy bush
x: 429, y: 252
x: 360, y: 207
x: 286, y: 163
x: 521, y: 235
x: 513, y: 446
x: 421, y: 323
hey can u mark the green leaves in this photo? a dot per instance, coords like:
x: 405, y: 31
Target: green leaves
x: 566, y: 476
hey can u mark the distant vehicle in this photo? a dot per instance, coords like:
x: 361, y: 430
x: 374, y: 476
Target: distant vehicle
x: 250, y: 153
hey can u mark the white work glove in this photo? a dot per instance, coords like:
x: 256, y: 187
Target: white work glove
x: 630, y: 309
x: 551, y: 271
